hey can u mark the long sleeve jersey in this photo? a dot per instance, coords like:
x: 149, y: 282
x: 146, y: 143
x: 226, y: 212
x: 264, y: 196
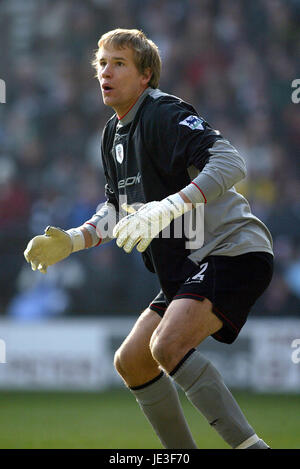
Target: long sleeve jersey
x: 158, y: 148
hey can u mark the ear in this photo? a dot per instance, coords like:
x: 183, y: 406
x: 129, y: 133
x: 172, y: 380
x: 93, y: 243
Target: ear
x: 147, y: 76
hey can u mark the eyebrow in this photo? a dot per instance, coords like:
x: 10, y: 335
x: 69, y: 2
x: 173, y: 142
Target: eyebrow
x: 113, y: 58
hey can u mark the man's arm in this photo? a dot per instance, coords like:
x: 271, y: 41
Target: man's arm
x: 224, y: 168
x: 98, y: 230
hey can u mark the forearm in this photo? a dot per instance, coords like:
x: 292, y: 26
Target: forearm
x: 224, y: 169
x: 95, y: 231
x: 88, y: 239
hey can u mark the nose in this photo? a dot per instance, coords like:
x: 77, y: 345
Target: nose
x: 106, y: 71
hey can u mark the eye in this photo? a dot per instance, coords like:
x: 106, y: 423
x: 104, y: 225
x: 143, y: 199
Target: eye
x: 120, y: 64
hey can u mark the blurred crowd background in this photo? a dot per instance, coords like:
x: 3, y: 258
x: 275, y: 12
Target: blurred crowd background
x: 234, y: 61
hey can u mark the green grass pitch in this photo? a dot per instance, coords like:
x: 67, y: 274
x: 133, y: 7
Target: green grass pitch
x: 112, y: 419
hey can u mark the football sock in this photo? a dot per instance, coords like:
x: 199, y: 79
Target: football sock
x: 207, y: 391
x: 253, y: 443
x: 160, y: 403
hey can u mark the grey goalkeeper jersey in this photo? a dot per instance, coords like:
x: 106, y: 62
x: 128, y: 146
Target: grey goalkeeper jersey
x: 163, y: 146
x: 230, y: 228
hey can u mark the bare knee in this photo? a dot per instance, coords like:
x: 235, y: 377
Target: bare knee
x: 162, y: 349
x: 186, y: 323
x: 135, y: 365
x: 117, y: 362
x: 123, y: 361
x: 133, y: 360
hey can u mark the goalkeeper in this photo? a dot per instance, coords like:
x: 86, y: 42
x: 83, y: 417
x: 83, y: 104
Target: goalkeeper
x: 164, y: 163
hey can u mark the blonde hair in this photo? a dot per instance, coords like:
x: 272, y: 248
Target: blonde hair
x: 145, y: 52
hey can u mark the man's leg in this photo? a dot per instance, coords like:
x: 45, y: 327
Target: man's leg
x: 153, y: 389
x: 185, y: 324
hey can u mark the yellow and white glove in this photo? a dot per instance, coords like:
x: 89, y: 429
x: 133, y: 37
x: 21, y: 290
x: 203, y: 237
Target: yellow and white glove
x: 145, y: 224
x: 52, y: 247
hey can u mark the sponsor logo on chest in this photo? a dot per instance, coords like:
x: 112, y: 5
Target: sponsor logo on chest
x: 130, y: 181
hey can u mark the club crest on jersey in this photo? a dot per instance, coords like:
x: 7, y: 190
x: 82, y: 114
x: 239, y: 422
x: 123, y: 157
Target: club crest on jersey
x: 193, y: 122
x: 119, y: 153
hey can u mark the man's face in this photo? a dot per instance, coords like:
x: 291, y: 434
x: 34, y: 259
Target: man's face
x: 121, y: 82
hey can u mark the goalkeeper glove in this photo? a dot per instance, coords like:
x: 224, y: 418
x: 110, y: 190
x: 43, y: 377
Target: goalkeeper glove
x: 145, y: 224
x: 52, y: 247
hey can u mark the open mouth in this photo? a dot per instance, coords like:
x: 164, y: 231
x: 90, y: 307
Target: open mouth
x: 106, y: 87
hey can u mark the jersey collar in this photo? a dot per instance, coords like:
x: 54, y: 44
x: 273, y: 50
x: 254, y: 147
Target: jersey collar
x: 129, y: 116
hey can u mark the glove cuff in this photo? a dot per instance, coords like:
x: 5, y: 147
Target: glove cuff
x: 177, y: 205
x: 77, y: 238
